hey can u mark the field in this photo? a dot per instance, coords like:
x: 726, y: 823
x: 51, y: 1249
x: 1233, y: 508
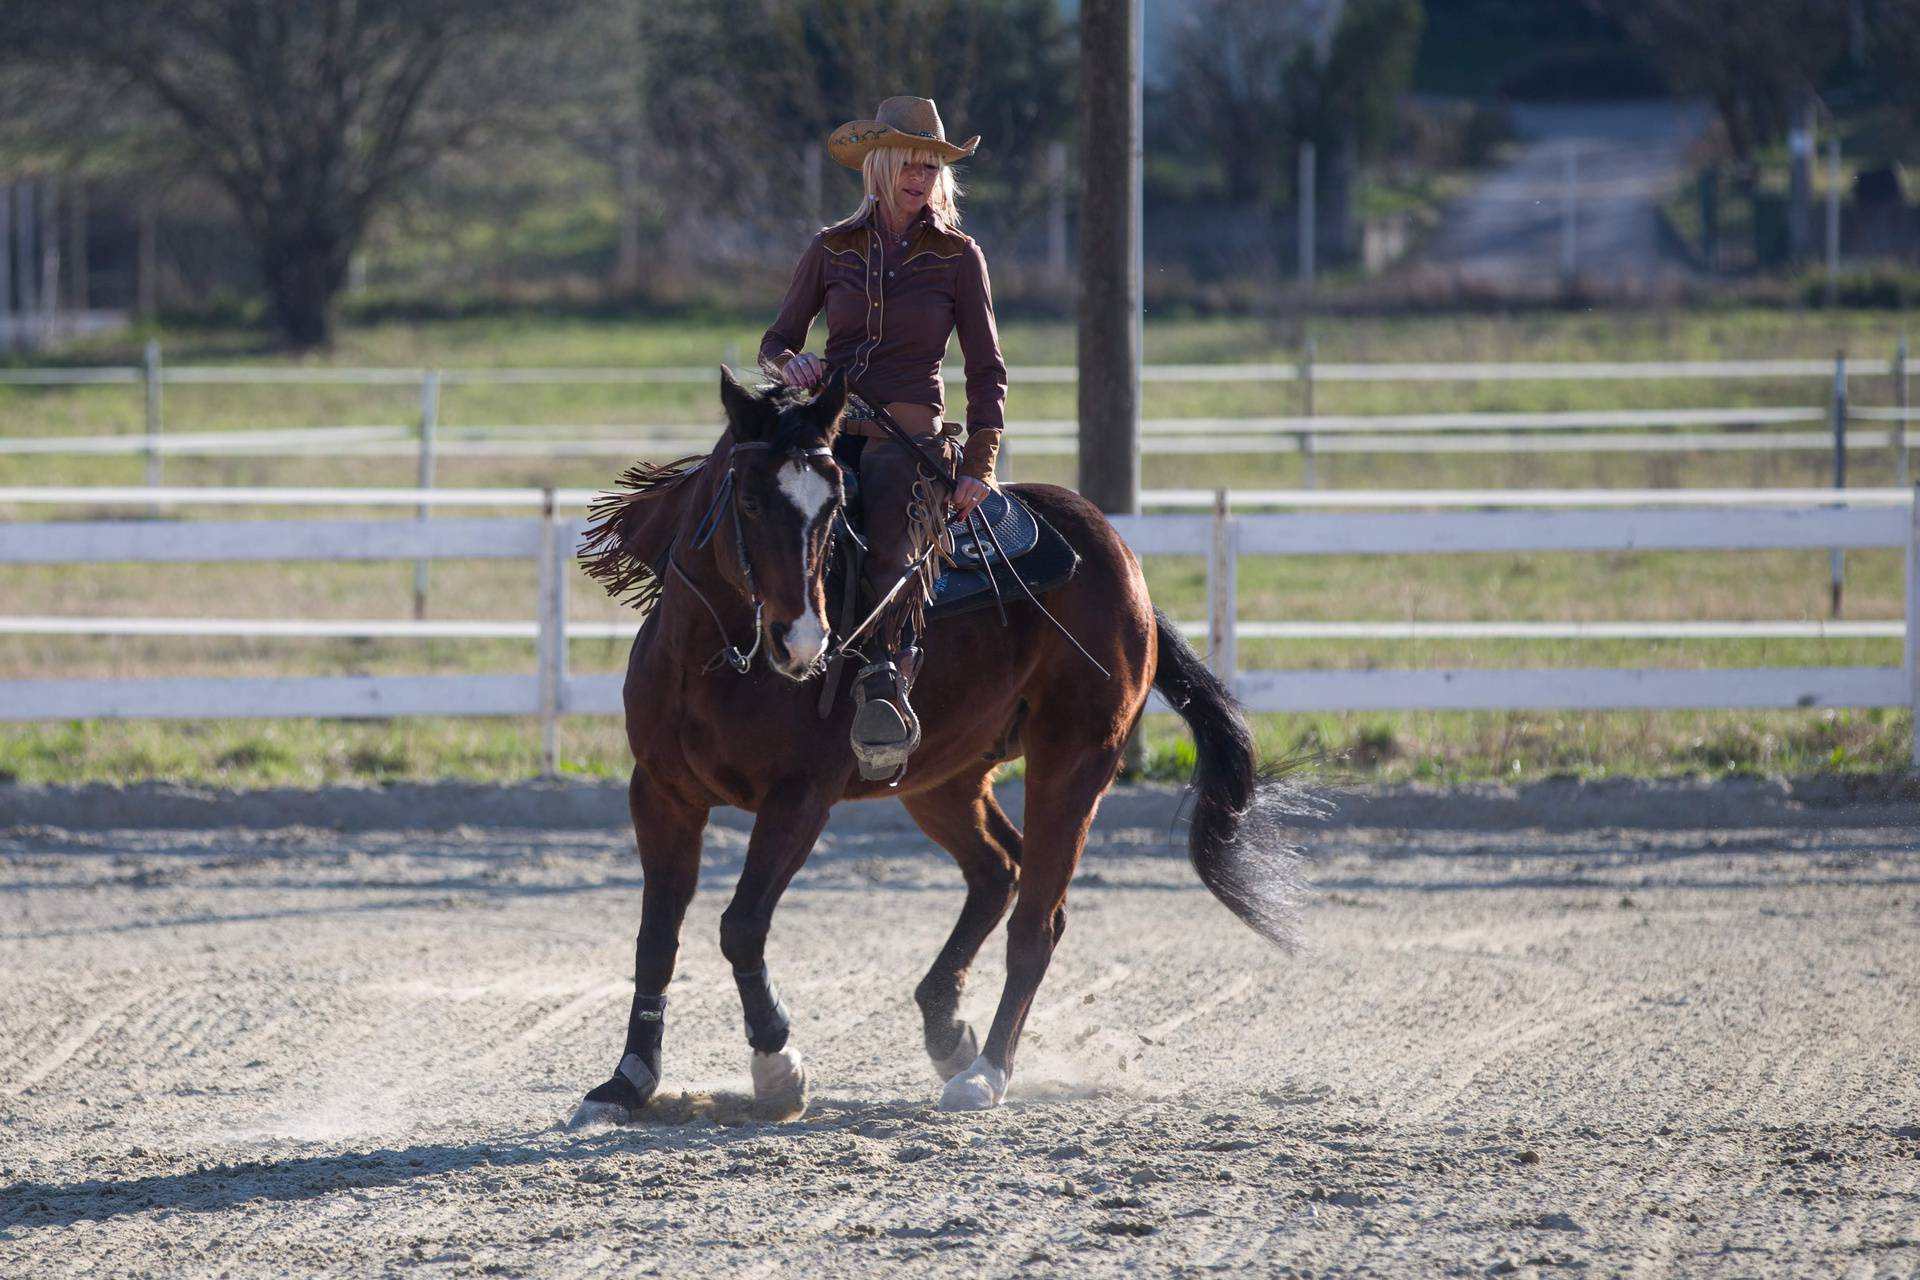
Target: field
x: 1629, y: 1049
x: 1623, y: 587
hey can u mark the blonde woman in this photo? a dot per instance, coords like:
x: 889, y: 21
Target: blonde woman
x: 896, y: 280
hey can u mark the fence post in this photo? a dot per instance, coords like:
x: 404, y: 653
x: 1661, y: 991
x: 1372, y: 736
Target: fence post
x: 151, y: 378
x: 1911, y: 649
x: 1902, y: 402
x: 1307, y: 353
x: 551, y: 647
x: 1838, y: 569
x: 1223, y: 608
x: 429, y: 420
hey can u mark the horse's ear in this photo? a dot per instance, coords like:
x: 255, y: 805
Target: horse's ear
x: 748, y: 414
x: 828, y: 404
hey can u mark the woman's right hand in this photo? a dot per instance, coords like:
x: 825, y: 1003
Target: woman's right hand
x: 804, y: 370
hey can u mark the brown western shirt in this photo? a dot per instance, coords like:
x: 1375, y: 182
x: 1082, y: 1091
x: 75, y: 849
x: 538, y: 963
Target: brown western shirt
x: 891, y: 304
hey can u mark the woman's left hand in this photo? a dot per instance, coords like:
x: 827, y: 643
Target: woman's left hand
x: 967, y: 495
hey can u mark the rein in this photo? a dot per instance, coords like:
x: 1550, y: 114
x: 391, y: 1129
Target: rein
x: 730, y: 654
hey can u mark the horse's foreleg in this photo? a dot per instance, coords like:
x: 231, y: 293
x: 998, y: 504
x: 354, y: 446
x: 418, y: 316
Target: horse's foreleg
x: 668, y: 835
x: 783, y: 834
x: 1063, y: 788
x: 963, y: 818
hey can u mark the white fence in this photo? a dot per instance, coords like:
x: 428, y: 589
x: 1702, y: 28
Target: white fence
x: 1612, y: 431
x: 1702, y: 522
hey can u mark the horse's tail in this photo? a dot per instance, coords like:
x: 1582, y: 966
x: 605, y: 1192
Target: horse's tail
x: 1237, y: 840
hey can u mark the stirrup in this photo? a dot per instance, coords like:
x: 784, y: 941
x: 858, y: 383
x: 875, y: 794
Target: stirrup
x: 885, y: 729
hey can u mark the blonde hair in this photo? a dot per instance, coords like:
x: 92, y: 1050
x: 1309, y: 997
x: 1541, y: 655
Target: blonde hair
x: 880, y: 175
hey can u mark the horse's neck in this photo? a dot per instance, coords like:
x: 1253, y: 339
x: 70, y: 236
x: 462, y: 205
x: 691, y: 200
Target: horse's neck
x: 666, y: 538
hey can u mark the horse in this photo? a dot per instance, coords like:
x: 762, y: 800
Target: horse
x: 723, y: 707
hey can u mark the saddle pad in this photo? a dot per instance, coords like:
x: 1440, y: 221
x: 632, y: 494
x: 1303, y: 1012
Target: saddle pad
x: 1014, y: 525
x: 1045, y: 561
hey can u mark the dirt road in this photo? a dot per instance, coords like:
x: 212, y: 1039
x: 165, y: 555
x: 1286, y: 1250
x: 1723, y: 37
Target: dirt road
x: 1605, y: 1051
x: 1509, y: 230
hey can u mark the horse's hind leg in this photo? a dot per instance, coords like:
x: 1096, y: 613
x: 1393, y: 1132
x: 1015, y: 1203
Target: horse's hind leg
x: 784, y: 830
x: 668, y: 835
x: 1065, y: 780
x: 963, y: 818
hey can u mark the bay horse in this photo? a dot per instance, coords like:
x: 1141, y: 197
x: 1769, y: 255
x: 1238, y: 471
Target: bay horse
x: 731, y: 549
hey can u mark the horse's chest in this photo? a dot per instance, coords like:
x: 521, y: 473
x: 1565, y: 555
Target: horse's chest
x: 728, y: 736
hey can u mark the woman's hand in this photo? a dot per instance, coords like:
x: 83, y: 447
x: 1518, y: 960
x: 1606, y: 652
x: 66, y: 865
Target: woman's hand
x: 804, y: 370
x: 967, y: 495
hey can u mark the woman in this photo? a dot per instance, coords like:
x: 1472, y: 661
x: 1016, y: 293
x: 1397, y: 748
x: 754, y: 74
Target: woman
x: 896, y: 280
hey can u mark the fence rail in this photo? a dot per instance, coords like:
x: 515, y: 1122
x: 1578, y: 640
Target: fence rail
x: 1307, y: 435
x: 1883, y: 520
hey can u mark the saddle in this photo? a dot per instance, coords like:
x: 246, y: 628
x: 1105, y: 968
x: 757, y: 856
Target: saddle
x: 1035, y: 551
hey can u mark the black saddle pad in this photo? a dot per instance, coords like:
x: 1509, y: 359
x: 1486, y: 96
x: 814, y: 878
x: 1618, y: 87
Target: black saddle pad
x: 1015, y: 530
x: 1041, y: 557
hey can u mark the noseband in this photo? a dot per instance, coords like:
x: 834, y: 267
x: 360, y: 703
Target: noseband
x: 730, y: 654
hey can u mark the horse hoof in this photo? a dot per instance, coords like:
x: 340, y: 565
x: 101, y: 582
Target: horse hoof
x: 591, y: 1115
x: 779, y: 1085
x: 961, y: 1056
x: 619, y: 1099
x: 979, y: 1088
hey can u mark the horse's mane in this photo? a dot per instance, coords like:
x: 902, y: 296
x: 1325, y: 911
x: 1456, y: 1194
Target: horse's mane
x: 613, y: 551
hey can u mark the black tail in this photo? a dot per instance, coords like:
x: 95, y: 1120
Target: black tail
x: 1237, y: 841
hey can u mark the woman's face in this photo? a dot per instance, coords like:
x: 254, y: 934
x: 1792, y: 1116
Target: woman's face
x: 915, y: 184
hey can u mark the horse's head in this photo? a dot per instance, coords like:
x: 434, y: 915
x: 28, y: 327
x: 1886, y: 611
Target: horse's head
x: 786, y: 492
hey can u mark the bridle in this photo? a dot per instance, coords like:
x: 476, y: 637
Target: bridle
x: 723, y: 501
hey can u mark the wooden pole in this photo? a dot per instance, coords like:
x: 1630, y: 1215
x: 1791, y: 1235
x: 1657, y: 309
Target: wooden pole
x: 551, y: 648
x: 1109, y: 357
x: 1109, y: 328
x: 77, y: 268
x: 1912, y: 647
x: 1838, y: 570
x: 429, y: 421
x: 1307, y: 350
x: 151, y: 382
x: 1056, y: 215
x: 6, y: 268
x: 1308, y: 200
x: 1833, y: 217
x: 23, y: 265
x: 147, y: 267
x: 1902, y: 401
x: 1223, y: 593
x: 49, y: 221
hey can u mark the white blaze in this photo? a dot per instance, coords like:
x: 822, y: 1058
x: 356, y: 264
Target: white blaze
x: 809, y: 492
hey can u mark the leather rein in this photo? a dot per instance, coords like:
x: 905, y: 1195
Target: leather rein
x: 730, y: 654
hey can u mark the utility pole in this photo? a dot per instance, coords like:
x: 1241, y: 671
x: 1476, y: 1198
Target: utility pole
x: 1110, y: 325
x: 1308, y: 201
x: 1833, y: 217
x: 1109, y: 355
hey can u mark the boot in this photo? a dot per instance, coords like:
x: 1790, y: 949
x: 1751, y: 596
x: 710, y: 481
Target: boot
x: 885, y: 729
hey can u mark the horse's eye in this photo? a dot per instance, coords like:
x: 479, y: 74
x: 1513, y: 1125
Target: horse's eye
x: 749, y: 506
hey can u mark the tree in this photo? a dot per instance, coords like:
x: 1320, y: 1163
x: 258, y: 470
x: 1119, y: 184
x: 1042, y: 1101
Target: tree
x: 307, y: 113
x: 1252, y: 79
x: 741, y: 91
x: 1893, y: 51
x: 1757, y: 60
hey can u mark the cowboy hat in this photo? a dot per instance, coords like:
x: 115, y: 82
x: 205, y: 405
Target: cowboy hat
x: 900, y: 122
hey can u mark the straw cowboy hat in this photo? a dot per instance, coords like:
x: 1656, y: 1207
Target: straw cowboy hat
x: 900, y: 122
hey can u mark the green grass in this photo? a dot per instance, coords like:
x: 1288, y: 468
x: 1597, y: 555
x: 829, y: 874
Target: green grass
x: 1772, y: 585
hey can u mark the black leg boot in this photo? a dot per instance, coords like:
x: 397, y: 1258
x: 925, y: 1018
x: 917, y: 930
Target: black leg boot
x: 885, y: 729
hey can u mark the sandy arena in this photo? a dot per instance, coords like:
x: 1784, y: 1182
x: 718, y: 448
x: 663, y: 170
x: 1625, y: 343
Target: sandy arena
x: 1608, y: 1045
